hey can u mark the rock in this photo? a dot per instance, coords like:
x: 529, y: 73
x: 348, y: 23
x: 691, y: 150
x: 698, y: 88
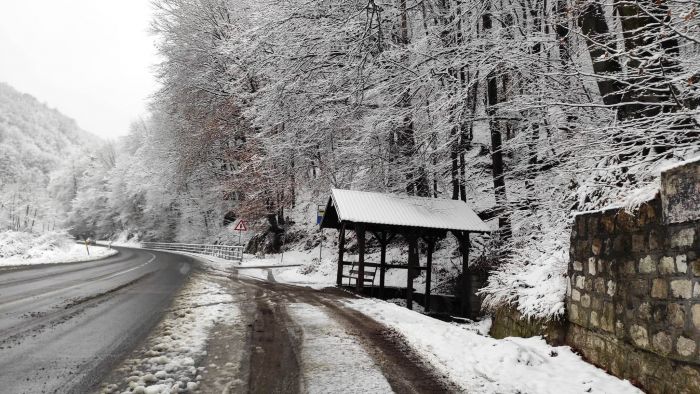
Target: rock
x: 639, y: 335
x: 681, y: 264
x: 682, y: 288
x: 676, y: 315
x: 578, y: 266
x: 663, y: 343
x: 647, y: 265
x: 667, y: 265
x: 696, y: 316
x: 659, y: 288
x: 683, y: 238
x: 685, y: 346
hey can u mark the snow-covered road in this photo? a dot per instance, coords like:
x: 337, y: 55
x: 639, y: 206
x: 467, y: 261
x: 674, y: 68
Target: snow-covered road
x: 62, y: 327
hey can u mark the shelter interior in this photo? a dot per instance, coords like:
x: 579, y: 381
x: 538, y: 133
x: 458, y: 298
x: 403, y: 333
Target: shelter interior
x: 349, y: 211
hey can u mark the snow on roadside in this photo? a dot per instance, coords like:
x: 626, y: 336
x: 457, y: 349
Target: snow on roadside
x: 21, y: 248
x: 331, y: 359
x: 482, y: 364
x: 169, y: 363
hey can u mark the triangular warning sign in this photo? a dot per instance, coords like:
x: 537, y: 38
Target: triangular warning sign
x: 241, y: 226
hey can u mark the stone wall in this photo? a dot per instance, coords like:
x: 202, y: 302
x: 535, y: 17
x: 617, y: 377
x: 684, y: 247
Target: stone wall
x: 508, y: 322
x: 633, y: 301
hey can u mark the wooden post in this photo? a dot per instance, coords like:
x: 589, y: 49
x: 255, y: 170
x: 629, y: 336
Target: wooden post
x: 463, y: 239
x: 360, y: 231
x: 412, y: 262
x: 382, y: 264
x: 429, y: 272
x: 341, y: 251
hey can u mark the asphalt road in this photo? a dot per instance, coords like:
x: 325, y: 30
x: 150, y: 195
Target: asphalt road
x: 63, y: 327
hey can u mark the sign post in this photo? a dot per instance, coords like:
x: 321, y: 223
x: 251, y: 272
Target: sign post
x: 241, y: 227
x: 320, y: 212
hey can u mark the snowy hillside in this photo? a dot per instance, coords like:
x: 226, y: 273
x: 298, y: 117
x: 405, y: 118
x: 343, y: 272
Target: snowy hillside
x: 35, y: 140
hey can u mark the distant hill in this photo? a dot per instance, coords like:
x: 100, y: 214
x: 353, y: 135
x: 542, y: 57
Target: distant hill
x: 34, y: 138
x: 35, y: 142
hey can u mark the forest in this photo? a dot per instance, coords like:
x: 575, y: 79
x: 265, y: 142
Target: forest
x: 528, y: 110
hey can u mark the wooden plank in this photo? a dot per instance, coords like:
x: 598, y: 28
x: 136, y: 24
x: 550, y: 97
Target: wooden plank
x: 428, y: 273
x: 360, y: 232
x: 341, y: 251
x: 382, y: 266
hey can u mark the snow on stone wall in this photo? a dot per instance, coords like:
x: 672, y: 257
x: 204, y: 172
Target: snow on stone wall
x: 633, y: 300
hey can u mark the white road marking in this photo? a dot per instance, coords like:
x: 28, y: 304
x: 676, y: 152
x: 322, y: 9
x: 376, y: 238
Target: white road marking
x: 49, y: 293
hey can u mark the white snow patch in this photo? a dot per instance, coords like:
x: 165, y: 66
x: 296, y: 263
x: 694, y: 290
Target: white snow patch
x: 481, y: 364
x: 22, y: 248
x: 333, y: 360
x: 170, y: 362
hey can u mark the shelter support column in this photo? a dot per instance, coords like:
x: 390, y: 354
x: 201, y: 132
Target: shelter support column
x: 341, y: 252
x: 360, y: 231
x: 463, y: 239
x: 382, y: 263
x: 412, y: 263
x: 429, y: 272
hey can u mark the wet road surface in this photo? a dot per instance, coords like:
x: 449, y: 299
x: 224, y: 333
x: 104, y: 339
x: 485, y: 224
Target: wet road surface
x: 63, y: 327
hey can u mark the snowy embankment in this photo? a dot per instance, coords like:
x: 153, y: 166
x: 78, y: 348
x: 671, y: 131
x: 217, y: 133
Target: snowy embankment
x: 481, y: 364
x: 21, y: 248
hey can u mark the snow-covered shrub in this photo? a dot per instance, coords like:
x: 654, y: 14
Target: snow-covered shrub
x: 28, y: 245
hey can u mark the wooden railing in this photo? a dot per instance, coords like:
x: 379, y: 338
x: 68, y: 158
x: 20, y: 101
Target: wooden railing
x: 225, y: 252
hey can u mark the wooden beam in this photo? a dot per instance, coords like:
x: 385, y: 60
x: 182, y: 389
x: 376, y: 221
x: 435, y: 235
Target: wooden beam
x: 412, y: 262
x: 428, y: 272
x: 360, y: 232
x: 463, y: 239
x: 341, y: 251
x: 382, y: 265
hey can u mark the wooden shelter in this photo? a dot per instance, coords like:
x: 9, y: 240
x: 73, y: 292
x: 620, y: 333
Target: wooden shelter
x: 385, y: 216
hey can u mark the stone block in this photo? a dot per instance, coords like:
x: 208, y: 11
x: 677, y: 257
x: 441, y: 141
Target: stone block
x: 624, y: 222
x: 655, y: 241
x: 681, y: 263
x: 644, y: 311
x: 608, y: 318
x: 599, y: 285
x: 667, y: 265
x: 696, y: 267
x: 676, y: 315
x: 628, y: 267
x: 596, y: 246
x: 602, y: 267
x: 591, y: 266
x: 639, y: 287
x: 662, y: 343
x: 685, y: 346
x: 573, y: 313
x: 612, y: 287
x: 619, y: 329
x: 592, y: 224
x: 696, y: 316
x: 679, y: 193
x: 580, y: 282
x: 659, y: 288
x: 586, y: 301
x: 594, y: 319
x: 638, y: 242
x: 660, y: 312
x: 596, y: 303
x: 696, y: 291
x: 647, y: 265
x: 682, y: 288
x: 683, y: 238
x: 639, y: 336
x: 575, y: 295
x: 578, y: 266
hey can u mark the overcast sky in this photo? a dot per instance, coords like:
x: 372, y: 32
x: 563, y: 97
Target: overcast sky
x: 90, y: 59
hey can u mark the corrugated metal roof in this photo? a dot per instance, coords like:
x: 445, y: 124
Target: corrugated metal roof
x: 378, y: 208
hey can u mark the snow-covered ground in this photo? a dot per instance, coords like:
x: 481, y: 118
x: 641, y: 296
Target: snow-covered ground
x: 169, y: 358
x: 20, y: 248
x: 481, y: 364
x: 332, y: 359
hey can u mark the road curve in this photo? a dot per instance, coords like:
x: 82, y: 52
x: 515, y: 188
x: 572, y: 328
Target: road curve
x: 63, y: 327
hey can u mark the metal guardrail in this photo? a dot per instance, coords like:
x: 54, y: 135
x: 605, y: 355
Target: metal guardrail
x: 226, y: 252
